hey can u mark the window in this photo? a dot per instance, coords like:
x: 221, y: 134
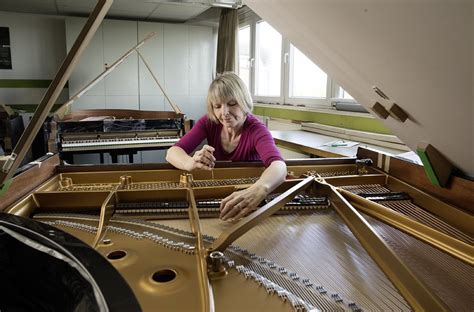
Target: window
x: 276, y: 71
x: 306, y: 79
x: 244, y: 55
x: 268, y: 61
x: 343, y: 94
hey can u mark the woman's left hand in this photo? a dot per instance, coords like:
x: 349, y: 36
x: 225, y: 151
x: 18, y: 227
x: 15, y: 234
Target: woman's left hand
x: 241, y: 203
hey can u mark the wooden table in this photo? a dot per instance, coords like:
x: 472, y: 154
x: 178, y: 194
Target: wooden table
x: 313, y: 144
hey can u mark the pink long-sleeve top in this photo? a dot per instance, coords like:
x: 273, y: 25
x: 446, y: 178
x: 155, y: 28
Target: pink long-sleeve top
x: 256, y: 142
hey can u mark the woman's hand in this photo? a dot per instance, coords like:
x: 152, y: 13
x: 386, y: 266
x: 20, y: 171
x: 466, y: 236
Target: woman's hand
x: 203, y: 159
x: 241, y: 203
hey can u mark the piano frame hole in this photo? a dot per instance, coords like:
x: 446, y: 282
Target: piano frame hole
x: 116, y: 255
x: 164, y: 276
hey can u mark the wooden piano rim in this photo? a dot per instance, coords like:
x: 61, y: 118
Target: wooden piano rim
x: 459, y: 191
x: 219, y: 164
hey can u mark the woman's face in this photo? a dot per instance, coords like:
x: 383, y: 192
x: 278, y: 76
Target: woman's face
x: 229, y: 114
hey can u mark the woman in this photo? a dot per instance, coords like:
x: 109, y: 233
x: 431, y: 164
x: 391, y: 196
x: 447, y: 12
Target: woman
x: 232, y: 133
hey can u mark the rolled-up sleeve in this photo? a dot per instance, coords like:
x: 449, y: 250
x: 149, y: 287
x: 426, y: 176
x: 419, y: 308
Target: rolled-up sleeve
x: 194, y: 137
x: 265, y: 145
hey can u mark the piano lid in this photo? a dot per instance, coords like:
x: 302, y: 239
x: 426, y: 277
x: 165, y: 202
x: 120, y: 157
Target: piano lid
x: 419, y: 53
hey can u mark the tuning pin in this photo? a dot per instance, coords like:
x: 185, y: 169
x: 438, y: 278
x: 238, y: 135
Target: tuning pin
x: 125, y: 181
x: 186, y: 180
x: 65, y: 183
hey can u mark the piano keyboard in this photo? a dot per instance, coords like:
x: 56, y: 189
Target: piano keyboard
x: 118, y: 143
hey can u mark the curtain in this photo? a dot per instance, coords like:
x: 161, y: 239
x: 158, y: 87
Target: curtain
x: 227, y: 41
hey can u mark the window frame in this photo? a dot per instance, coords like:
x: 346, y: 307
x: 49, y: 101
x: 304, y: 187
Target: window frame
x: 332, y: 87
x: 337, y: 97
x: 317, y: 102
x: 260, y: 98
x: 250, y: 59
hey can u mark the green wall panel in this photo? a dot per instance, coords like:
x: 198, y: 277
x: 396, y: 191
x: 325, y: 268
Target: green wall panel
x: 336, y: 120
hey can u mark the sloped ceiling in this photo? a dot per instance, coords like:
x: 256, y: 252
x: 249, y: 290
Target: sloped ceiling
x: 419, y: 53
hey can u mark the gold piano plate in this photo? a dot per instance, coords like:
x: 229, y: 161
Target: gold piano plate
x: 310, y: 254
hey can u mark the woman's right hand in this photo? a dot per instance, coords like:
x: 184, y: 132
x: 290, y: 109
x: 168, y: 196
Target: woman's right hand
x: 204, y: 158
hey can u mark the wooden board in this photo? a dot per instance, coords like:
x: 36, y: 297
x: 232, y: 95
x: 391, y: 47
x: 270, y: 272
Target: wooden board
x: 27, y: 181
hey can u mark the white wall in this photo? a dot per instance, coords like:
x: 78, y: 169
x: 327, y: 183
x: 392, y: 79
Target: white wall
x: 181, y: 56
x: 38, y: 47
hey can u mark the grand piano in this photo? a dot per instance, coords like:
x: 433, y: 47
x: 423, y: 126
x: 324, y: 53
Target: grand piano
x: 370, y: 233
x: 116, y: 132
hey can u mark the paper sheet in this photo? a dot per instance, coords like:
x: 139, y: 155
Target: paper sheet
x: 411, y: 156
x: 96, y: 118
x: 341, y: 143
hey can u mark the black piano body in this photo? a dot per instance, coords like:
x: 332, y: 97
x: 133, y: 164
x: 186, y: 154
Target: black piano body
x: 115, y: 131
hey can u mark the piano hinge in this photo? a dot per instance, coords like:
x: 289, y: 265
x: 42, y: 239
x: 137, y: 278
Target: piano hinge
x: 9, y: 160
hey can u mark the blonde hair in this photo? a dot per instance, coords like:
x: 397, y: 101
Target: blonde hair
x: 227, y: 87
